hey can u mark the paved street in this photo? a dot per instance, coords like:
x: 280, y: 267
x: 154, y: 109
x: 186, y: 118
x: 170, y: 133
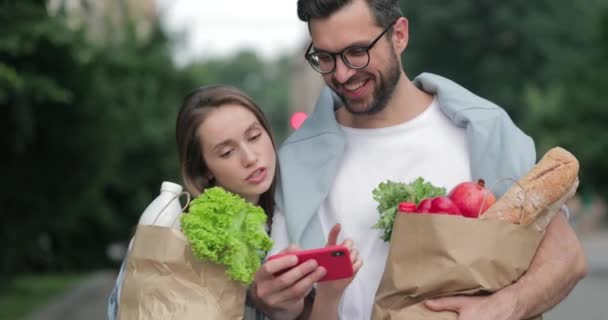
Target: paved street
x: 587, y: 302
x: 86, y: 302
x: 589, y: 299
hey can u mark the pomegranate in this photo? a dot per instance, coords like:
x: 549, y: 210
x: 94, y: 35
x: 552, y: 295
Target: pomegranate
x: 468, y: 197
x: 444, y: 205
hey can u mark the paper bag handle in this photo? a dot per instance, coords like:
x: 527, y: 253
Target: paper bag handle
x: 483, y: 202
x: 177, y: 196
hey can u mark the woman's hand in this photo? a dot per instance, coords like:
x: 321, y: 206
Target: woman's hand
x: 282, y: 297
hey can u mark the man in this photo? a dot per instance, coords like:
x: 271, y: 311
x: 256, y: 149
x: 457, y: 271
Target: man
x: 388, y: 127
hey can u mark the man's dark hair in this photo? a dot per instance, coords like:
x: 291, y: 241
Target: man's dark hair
x: 385, y: 12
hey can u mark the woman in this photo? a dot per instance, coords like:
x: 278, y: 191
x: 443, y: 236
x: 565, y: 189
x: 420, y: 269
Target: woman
x: 224, y: 140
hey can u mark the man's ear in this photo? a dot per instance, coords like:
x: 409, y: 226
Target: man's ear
x: 401, y: 35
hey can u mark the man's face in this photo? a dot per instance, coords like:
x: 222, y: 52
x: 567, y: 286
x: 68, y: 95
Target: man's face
x: 367, y: 90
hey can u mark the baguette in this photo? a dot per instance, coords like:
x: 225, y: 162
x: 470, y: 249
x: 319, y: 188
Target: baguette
x: 547, y: 215
x: 554, y: 178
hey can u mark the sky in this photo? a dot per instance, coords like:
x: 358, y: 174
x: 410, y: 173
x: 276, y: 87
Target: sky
x: 218, y: 28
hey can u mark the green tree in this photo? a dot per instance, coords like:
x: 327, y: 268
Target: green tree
x: 88, y: 135
x: 572, y: 112
x: 495, y: 48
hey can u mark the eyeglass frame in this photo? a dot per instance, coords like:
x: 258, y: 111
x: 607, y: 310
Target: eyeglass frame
x: 333, y: 55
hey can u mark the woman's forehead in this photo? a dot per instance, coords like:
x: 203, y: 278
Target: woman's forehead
x: 229, y: 121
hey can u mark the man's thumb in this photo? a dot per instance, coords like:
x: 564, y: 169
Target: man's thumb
x: 332, y: 238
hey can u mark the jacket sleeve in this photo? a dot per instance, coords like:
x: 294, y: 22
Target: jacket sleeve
x: 279, y: 232
x: 115, y: 295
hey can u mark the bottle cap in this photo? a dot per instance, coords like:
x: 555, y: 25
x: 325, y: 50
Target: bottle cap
x: 171, y: 187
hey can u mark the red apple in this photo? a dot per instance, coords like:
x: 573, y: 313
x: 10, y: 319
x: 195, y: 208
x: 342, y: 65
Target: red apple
x: 468, y: 197
x: 424, y: 205
x: 444, y: 205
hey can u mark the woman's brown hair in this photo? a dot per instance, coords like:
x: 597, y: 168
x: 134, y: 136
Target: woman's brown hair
x: 194, y: 110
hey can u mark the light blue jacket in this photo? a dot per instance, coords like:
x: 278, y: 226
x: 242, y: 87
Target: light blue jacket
x: 310, y: 157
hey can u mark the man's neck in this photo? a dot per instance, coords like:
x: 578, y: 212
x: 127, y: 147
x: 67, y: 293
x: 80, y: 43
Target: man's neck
x: 406, y: 103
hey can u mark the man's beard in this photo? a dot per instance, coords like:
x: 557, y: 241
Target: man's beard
x: 383, y: 91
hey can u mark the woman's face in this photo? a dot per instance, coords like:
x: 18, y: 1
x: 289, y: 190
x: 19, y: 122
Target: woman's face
x: 238, y: 151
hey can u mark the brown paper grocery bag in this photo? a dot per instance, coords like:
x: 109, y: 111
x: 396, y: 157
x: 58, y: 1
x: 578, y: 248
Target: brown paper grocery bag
x: 436, y: 255
x: 164, y: 280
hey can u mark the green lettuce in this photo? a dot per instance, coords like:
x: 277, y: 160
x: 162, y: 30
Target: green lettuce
x: 388, y: 194
x: 224, y: 228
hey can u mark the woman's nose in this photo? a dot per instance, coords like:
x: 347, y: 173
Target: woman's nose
x: 249, y: 157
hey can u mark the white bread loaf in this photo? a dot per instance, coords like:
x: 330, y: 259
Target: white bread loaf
x: 554, y: 178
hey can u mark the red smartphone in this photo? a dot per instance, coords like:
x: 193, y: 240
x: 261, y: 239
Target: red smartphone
x: 335, y: 259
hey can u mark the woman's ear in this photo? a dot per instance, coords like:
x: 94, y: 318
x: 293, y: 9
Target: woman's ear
x: 401, y: 34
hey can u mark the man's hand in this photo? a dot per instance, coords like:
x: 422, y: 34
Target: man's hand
x: 282, y: 297
x: 477, y: 308
x: 336, y: 288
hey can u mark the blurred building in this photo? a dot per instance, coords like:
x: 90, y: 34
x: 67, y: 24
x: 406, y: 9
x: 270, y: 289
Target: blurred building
x: 305, y: 84
x: 105, y: 19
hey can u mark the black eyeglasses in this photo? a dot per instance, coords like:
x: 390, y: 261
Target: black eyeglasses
x: 355, y: 57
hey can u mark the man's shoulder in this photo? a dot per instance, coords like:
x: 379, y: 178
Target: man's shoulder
x: 458, y: 103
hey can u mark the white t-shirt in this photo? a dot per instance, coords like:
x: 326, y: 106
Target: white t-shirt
x: 428, y: 146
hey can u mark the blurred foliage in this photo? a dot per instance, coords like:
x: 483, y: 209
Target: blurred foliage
x: 88, y: 129
x: 572, y: 111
